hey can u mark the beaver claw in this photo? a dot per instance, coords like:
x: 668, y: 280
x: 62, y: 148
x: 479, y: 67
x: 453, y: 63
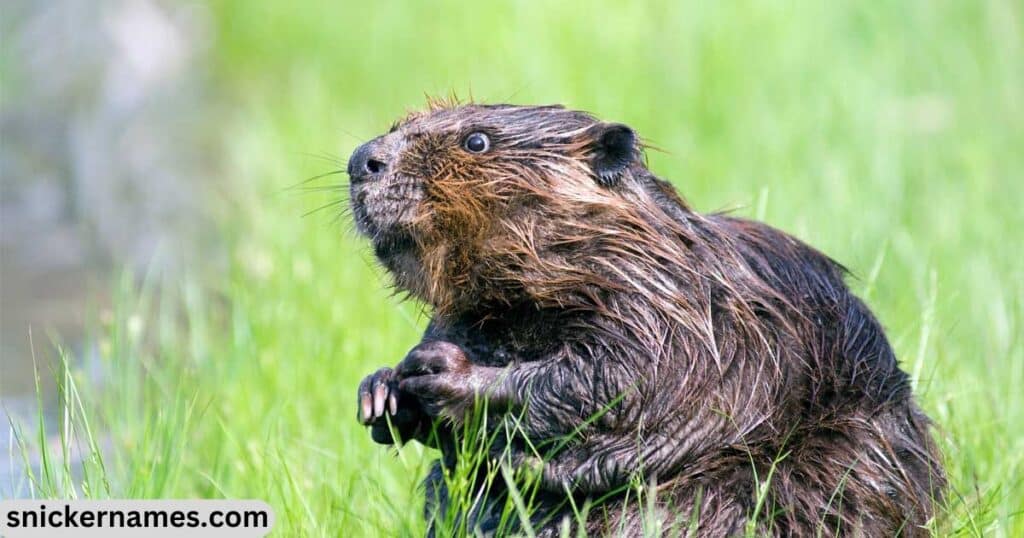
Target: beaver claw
x: 391, y: 416
x: 377, y: 391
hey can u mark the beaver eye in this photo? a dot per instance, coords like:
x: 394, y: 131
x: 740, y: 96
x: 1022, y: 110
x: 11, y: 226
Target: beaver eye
x: 477, y: 143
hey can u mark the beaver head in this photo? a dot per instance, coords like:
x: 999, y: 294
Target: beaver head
x: 470, y: 205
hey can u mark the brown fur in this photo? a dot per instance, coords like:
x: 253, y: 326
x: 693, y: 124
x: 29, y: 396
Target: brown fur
x: 570, y: 279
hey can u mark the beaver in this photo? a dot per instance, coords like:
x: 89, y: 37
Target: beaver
x: 618, y: 337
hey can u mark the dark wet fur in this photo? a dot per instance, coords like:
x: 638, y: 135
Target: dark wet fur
x: 714, y: 350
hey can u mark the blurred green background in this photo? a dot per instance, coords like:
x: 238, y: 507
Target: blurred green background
x: 888, y: 134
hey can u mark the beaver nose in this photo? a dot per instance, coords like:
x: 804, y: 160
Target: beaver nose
x: 367, y: 162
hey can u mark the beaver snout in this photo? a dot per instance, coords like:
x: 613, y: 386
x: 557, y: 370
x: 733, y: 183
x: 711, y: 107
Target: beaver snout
x: 369, y: 162
x: 384, y: 201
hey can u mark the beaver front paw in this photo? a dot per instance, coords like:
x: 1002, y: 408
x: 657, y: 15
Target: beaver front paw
x: 433, y: 357
x: 444, y: 380
x: 382, y: 407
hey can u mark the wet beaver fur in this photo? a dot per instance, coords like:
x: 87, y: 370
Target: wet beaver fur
x: 576, y: 296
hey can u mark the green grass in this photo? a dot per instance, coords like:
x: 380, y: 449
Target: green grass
x: 888, y: 134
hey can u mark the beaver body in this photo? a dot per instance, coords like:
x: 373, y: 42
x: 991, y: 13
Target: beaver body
x: 604, y: 325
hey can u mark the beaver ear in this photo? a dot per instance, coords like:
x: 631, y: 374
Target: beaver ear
x: 614, y: 149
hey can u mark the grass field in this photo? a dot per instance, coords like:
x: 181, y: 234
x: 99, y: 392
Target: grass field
x: 889, y: 135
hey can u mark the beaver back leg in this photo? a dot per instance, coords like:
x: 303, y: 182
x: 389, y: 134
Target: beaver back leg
x: 864, y: 476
